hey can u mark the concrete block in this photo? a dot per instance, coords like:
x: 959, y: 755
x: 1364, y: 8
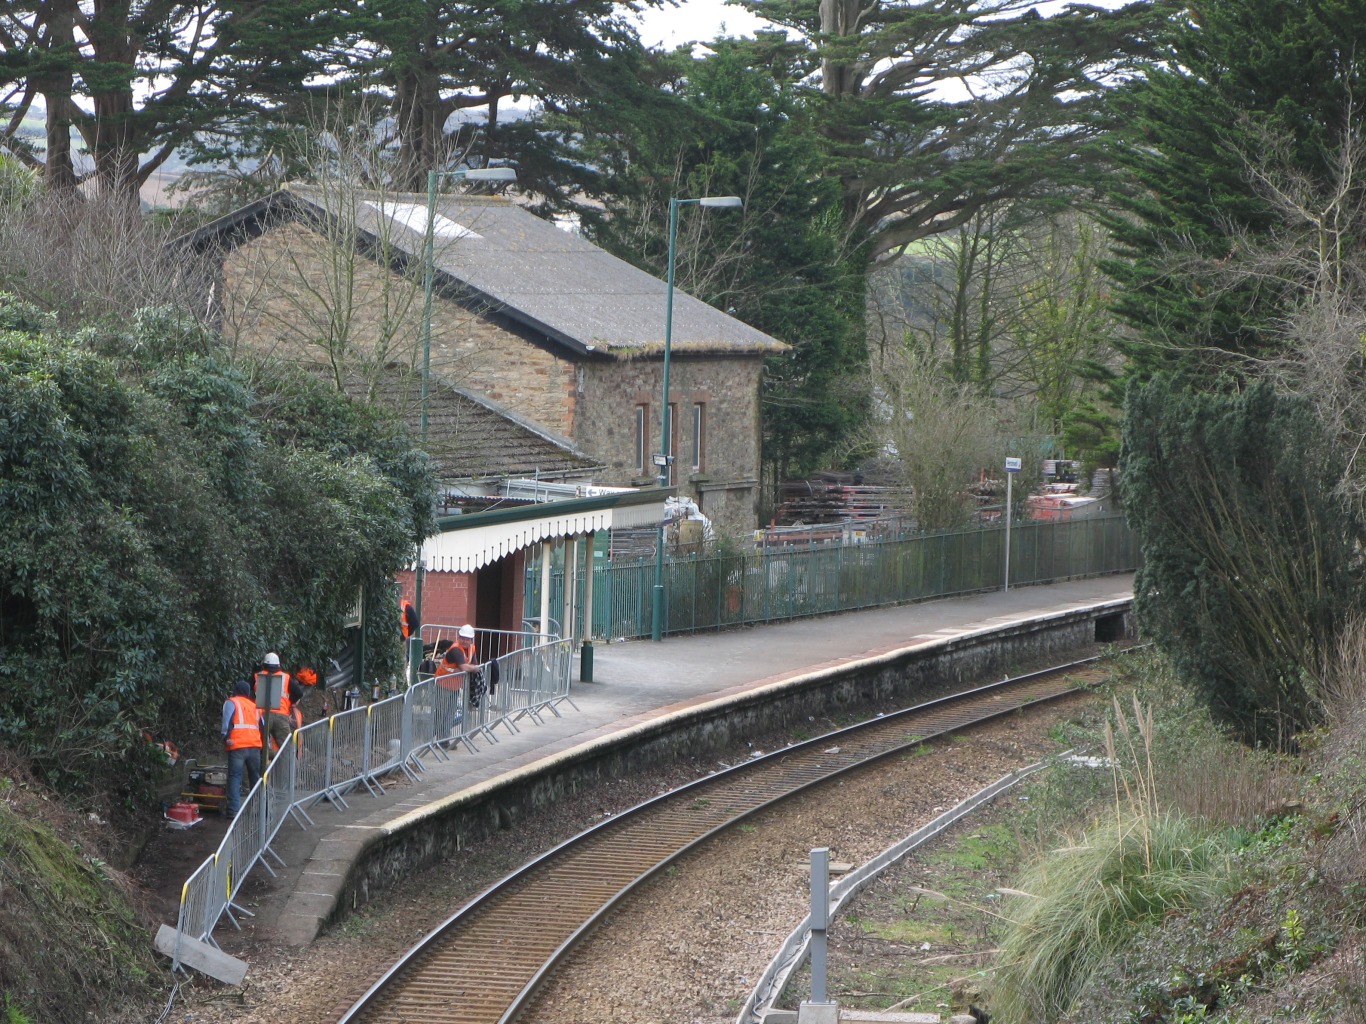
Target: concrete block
x: 779, y: 1017
x: 889, y: 1017
x: 818, y: 1013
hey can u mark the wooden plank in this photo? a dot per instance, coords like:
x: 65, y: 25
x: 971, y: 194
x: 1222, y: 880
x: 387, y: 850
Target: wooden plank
x: 204, y: 958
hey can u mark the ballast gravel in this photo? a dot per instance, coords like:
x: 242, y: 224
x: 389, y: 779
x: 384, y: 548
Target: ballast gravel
x: 688, y: 947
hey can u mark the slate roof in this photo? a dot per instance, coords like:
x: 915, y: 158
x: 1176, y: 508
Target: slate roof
x: 531, y: 271
x: 471, y: 438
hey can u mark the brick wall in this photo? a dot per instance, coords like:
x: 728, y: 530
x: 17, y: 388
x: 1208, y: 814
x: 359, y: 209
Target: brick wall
x: 448, y: 598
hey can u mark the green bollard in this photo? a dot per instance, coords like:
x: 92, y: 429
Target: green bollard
x: 586, y: 662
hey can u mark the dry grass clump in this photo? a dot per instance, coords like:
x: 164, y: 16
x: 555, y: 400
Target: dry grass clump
x: 1343, y: 691
x: 1077, y: 905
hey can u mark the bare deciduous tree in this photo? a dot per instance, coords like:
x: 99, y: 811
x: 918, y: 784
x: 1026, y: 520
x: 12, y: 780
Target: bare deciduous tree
x: 87, y: 258
x: 937, y: 433
x: 345, y: 290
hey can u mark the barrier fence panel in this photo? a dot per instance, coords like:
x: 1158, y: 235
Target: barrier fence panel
x: 330, y: 758
x: 386, y: 740
x: 422, y: 716
x: 490, y: 643
x: 314, y: 742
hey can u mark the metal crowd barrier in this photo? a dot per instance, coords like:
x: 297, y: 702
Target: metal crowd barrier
x: 489, y: 643
x: 328, y: 760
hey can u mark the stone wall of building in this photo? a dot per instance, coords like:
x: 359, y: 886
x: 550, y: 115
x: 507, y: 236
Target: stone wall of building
x: 290, y: 294
x: 615, y: 396
x: 278, y: 290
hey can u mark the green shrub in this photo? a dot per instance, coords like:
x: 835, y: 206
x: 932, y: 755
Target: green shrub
x: 167, y: 520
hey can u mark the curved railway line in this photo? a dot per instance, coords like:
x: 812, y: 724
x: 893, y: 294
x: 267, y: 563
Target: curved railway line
x: 484, y: 964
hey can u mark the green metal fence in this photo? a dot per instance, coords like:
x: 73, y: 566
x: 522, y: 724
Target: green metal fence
x: 716, y: 591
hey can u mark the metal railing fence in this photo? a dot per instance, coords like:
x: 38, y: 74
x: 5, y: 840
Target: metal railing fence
x: 777, y: 583
x: 329, y: 759
x: 489, y: 643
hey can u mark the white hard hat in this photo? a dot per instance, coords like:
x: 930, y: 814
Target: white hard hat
x: 271, y: 660
x: 467, y: 631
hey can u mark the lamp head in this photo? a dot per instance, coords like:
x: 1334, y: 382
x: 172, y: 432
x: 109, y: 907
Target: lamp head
x: 726, y: 202
x: 490, y: 174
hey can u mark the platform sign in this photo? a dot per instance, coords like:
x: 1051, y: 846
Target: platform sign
x: 1012, y: 467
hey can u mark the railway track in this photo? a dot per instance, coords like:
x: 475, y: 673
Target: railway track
x: 483, y: 964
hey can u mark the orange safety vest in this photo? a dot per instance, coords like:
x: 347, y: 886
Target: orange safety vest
x: 448, y: 675
x: 285, y: 702
x: 246, y: 725
x: 407, y: 618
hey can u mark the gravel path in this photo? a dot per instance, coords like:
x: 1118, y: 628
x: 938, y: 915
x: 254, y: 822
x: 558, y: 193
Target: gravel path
x: 687, y: 948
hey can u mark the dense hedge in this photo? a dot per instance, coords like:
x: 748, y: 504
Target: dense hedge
x: 1250, y: 562
x: 164, y: 522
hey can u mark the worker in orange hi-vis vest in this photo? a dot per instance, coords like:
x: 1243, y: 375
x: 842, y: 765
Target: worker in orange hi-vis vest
x: 241, y: 729
x: 279, y: 717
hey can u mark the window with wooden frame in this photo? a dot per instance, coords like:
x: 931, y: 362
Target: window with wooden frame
x: 699, y: 436
x: 642, y: 438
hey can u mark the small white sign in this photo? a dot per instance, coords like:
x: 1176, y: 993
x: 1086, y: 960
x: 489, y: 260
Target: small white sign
x: 1012, y: 465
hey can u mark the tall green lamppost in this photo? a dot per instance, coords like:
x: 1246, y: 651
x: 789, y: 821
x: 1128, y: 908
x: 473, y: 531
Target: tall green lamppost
x: 665, y: 456
x: 503, y: 174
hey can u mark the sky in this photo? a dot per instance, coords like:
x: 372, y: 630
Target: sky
x: 694, y: 21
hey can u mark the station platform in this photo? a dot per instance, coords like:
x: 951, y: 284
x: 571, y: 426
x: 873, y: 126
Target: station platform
x: 634, y: 682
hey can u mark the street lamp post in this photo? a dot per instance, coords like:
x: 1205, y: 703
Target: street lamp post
x: 503, y: 174
x: 665, y: 457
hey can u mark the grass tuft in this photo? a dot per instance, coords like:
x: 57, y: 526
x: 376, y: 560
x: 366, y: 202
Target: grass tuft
x: 1082, y: 902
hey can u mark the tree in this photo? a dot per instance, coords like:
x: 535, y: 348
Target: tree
x: 137, y: 81
x: 783, y: 264
x: 1011, y: 303
x: 937, y: 433
x: 88, y: 259
x: 1247, y: 551
x: 449, y: 73
x: 931, y: 110
x: 1190, y: 211
x: 166, y: 524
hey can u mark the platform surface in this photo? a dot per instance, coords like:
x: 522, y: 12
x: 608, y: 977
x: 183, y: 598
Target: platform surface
x: 633, y: 683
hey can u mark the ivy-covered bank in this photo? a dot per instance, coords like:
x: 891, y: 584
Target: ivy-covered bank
x: 166, y: 516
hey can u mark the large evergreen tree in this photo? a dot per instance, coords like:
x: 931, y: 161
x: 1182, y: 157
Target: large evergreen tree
x: 137, y: 80
x: 165, y: 524
x: 1235, y: 74
x: 784, y: 264
x: 1247, y: 552
x: 931, y: 110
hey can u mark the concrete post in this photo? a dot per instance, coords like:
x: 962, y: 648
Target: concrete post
x: 818, y: 1009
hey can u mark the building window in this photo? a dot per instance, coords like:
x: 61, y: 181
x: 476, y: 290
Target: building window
x: 699, y: 435
x: 642, y: 436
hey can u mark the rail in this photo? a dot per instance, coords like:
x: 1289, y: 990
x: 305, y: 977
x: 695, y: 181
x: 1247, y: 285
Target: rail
x: 535, y: 916
x: 330, y: 759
